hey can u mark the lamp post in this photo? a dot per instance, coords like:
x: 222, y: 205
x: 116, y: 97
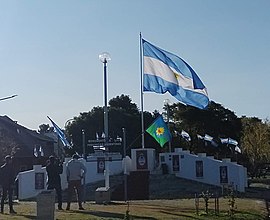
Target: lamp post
x: 67, y: 122
x: 166, y: 103
x: 83, y: 144
x: 104, y: 58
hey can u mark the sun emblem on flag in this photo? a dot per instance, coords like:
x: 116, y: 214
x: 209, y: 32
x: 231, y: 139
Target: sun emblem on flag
x: 160, y: 131
x: 176, y: 75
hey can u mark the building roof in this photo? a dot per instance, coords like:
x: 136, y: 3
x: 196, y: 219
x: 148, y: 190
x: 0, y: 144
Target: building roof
x: 25, y: 139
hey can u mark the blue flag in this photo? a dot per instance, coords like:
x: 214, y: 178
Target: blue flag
x: 166, y: 72
x: 159, y: 131
x: 60, y: 134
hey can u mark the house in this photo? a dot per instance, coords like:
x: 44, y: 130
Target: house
x: 26, y: 146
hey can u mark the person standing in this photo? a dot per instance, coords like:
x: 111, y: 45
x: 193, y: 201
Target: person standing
x: 75, y: 173
x: 54, y: 168
x: 7, y: 179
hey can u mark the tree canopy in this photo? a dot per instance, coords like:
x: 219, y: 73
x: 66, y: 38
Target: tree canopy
x: 252, y: 134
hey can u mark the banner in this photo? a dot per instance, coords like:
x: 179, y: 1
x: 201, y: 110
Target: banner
x: 199, y: 168
x: 175, y: 163
x: 100, y: 164
x: 223, y: 170
x: 39, y: 181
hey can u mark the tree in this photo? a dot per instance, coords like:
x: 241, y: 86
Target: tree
x: 45, y: 128
x: 7, y: 146
x: 124, y: 102
x: 255, y: 143
x: 122, y: 113
x: 216, y: 121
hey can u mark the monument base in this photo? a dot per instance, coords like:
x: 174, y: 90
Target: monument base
x: 103, y: 195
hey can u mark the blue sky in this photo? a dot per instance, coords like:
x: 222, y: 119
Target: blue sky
x: 49, y: 53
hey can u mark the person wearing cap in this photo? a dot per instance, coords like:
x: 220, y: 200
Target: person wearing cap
x: 75, y: 173
x: 54, y: 168
x: 7, y: 176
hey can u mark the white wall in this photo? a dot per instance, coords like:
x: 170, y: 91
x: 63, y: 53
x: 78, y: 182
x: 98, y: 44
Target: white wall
x: 26, y: 182
x: 237, y: 174
x: 26, y: 179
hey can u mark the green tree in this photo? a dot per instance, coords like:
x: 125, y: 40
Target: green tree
x: 216, y: 121
x: 45, y: 128
x: 255, y: 143
x: 122, y: 113
x: 8, y: 146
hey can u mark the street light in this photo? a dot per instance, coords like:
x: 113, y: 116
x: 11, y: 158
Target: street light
x: 167, y: 104
x: 68, y: 122
x: 104, y: 58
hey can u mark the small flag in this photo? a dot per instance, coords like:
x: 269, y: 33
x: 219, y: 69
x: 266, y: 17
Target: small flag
x: 185, y: 135
x: 237, y: 149
x: 208, y: 138
x: 233, y: 142
x: 159, y: 131
x: 103, y: 135
x: 211, y: 140
x: 35, y: 152
x: 166, y: 72
x: 200, y: 137
x: 41, y: 151
x: 60, y: 134
x: 228, y: 141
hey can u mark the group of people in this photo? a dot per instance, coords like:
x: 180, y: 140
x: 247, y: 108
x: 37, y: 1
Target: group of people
x: 75, y: 172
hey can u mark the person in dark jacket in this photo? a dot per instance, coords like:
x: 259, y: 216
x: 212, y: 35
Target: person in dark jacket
x: 54, y: 168
x: 7, y: 175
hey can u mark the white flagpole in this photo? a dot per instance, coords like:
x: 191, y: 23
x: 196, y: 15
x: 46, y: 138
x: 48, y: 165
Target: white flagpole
x: 141, y: 67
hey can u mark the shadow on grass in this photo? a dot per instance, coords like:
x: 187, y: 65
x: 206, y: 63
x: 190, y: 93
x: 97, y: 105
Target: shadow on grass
x: 180, y: 215
x: 101, y: 214
x: 27, y: 216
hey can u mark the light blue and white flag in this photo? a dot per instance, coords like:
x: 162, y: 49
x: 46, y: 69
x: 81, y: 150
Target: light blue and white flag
x: 60, y: 134
x: 208, y: 138
x: 211, y: 140
x: 41, y: 151
x: 228, y: 141
x: 200, y: 137
x: 35, y: 152
x: 237, y: 149
x: 185, y: 135
x: 166, y: 72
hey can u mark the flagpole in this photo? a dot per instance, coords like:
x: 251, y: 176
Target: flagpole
x: 141, y: 67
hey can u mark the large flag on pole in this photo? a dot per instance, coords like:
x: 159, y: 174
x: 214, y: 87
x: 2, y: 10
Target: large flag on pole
x: 159, y: 131
x: 60, y: 134
x: 166, y: 72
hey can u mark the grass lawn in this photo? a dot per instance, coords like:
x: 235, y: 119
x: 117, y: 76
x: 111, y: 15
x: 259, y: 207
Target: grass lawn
x: 171, y: 198
x: 148, y: 209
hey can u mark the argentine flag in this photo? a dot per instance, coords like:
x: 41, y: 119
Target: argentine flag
x: 60, y: 133
x: 166, y: 72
